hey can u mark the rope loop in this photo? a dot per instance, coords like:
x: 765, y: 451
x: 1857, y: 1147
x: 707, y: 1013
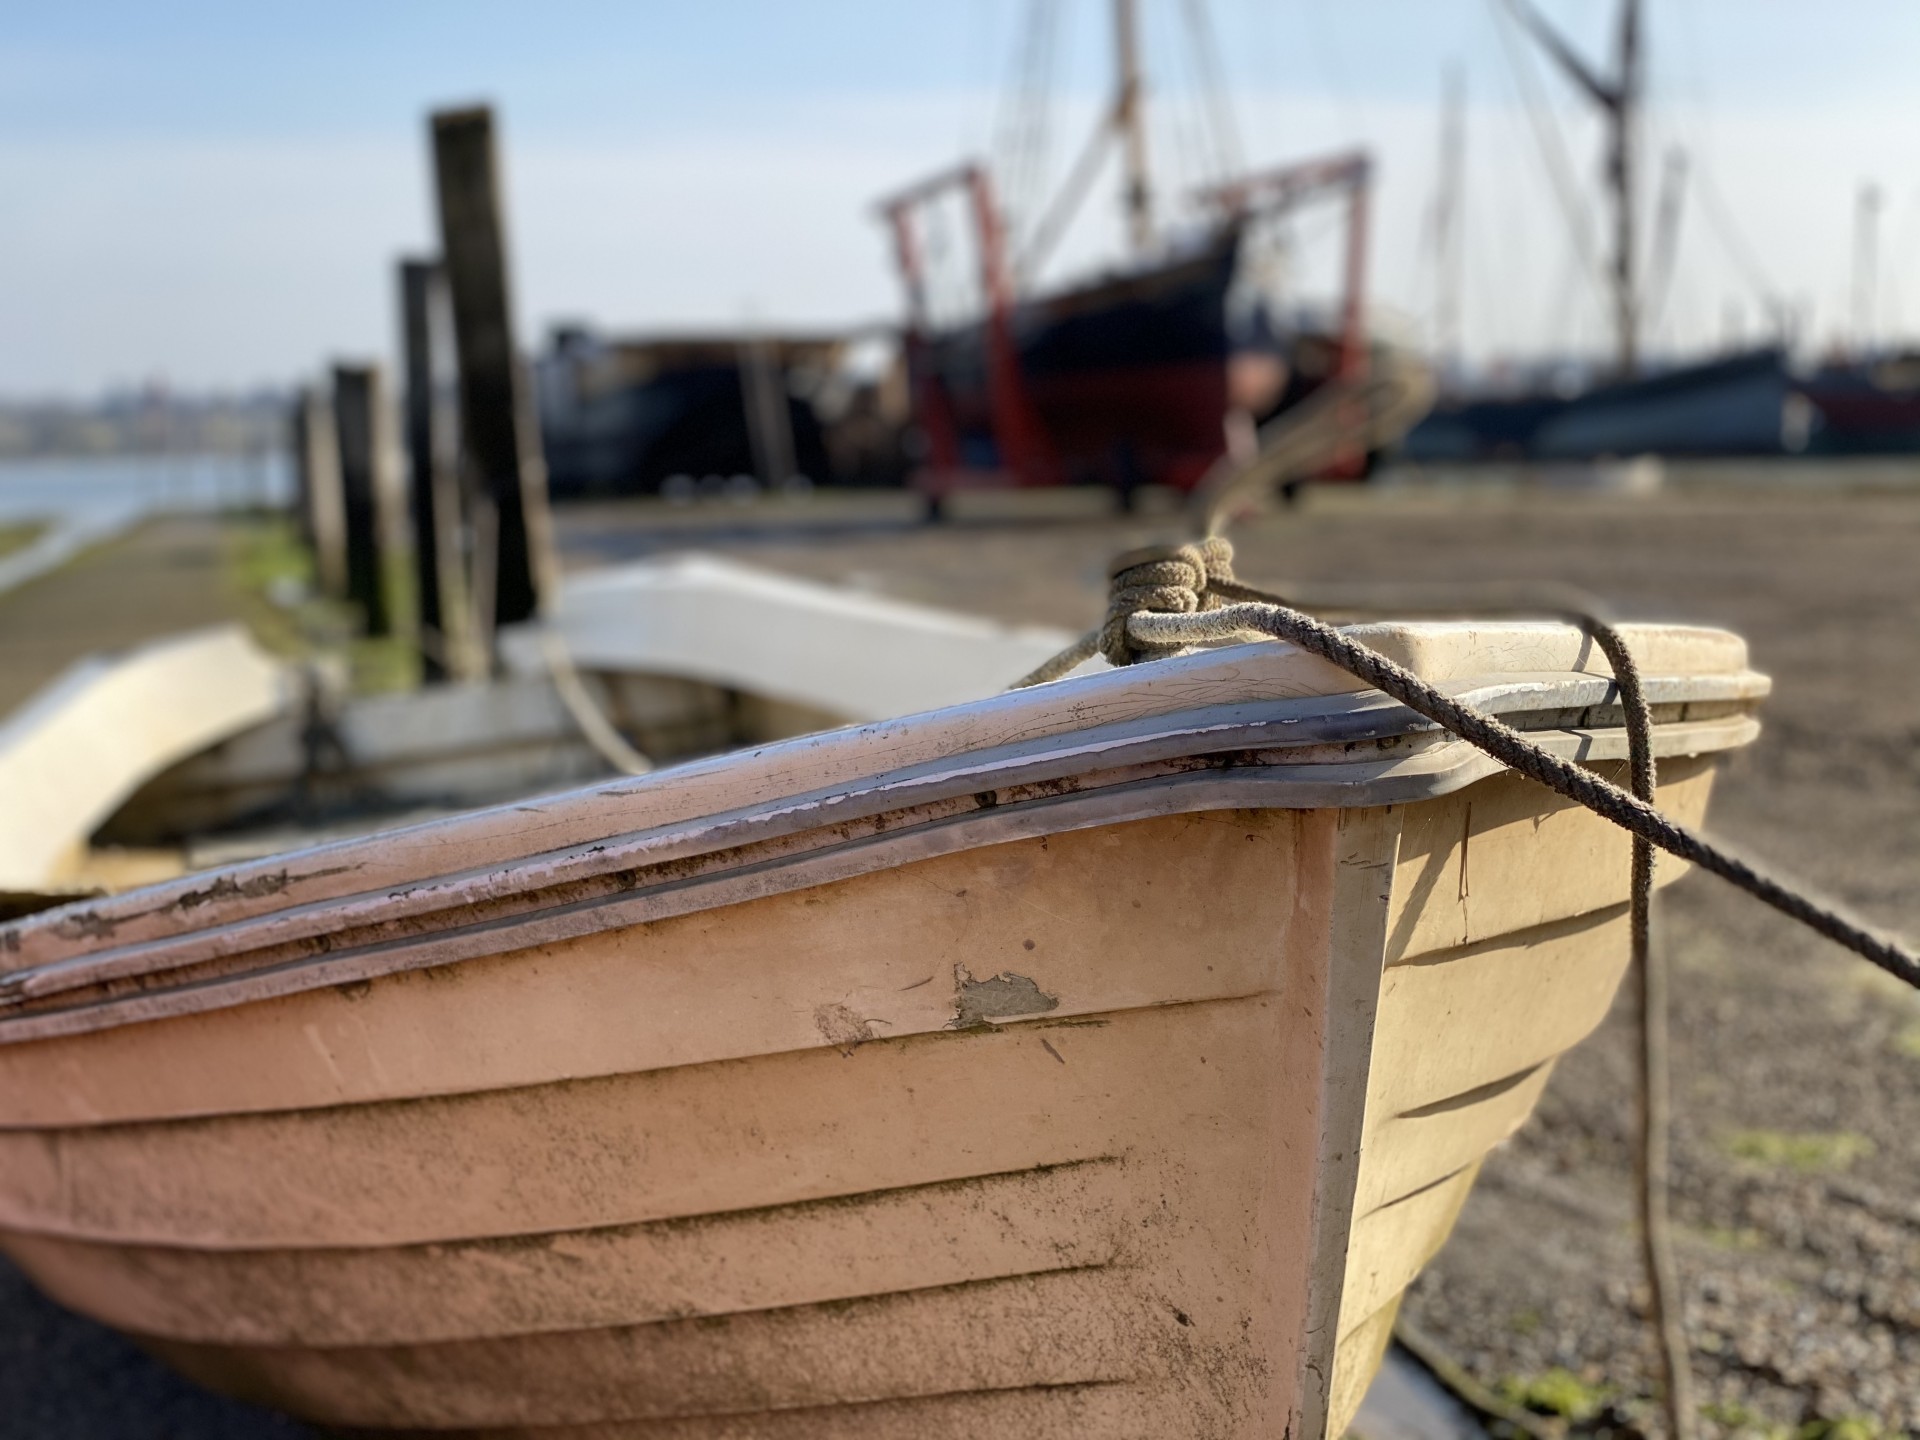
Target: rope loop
x: 1161, y: 580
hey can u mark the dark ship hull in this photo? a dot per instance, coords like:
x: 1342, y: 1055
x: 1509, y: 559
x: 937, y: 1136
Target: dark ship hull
x: 1127, y: 378
x: 622, y: 416
x: 1865, y: 409
x: 1743, y: 405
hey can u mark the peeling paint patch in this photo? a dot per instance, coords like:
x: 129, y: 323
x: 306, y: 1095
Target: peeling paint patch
x: 259, y: 887
x: 842, y: 1028
x: 226, y: 888
x: 999, y: 997
x: 85, y: 925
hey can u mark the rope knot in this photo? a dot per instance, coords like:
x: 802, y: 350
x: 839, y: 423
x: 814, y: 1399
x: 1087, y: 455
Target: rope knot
x: 1165, y: 580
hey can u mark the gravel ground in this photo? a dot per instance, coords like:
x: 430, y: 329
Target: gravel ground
x: 1797, y: 1083
x: 64, y: 1378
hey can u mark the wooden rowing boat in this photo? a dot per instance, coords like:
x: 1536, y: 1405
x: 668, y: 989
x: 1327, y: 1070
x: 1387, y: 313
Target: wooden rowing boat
x: 1103, y: 1058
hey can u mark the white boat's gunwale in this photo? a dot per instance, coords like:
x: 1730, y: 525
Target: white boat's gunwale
x: 1429, y: 768
x: 1298, y: 724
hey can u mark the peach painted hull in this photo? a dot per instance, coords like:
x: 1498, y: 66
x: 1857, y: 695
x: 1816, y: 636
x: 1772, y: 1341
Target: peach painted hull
x: 1124, y: 1103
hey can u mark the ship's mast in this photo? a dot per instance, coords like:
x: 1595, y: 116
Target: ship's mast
x: 1448, y: 220
x: 1623, y: 156
x: 1130, y: 118
x: 1666, y: 241
x: 1866, y: 218
x: 1618, y: 99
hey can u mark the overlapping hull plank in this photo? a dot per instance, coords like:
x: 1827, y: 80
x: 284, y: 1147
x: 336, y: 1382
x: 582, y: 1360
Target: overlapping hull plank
x: 1106, y: 924
x: 1123, y: 1412
x: 1068, y: 1217
x: 1127, y: 1104
x: 1024, y: 1333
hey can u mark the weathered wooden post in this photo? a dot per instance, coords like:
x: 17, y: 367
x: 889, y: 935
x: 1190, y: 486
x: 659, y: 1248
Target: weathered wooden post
x: 503, y: 460
x: 375, y: 509
x: 433, y: 482
x: 297, y: 448
x: 763, y: 396
x: 323, y: 515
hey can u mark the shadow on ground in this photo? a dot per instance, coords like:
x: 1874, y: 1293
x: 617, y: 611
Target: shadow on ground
x: 61, y: 1375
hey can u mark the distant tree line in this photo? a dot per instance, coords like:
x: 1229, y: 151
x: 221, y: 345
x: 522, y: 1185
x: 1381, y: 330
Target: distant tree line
x: 145, y: 422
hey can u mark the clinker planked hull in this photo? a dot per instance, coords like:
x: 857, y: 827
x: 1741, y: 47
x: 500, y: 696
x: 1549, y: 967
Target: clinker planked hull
x: 1121, y: 1096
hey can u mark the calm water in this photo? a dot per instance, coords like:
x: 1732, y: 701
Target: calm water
x: 54, y: 489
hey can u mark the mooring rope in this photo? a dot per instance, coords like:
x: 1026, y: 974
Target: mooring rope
x: 1196, y: 601
x: 1343, y: 415
x: 1652, y: 1177
x: 594, y: 723
x: 1652, y: 1168
x: 1163, y: 600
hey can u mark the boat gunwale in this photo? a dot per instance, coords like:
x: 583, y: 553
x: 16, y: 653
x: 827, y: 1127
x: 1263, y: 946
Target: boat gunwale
x: 1039, y: 718
x: 1296, y: 724
x: 1423, y: 765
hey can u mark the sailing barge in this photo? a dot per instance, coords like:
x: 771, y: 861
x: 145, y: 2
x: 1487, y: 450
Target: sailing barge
x: 1133, y: 377
x: 1099, y: 1059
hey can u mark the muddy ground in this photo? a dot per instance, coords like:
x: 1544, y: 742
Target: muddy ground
x: 1796, y: 1068
x: 1797, y: 1079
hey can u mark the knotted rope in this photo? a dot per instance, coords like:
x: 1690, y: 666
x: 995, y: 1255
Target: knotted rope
x: 1177, y: 581
x: 1164, y: 600
x: 1170, y: 599
x: 1344, y: 415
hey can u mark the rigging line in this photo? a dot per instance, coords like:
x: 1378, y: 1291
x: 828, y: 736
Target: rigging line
x: 1191, y: 169
x: 1666, y: 246
x: 1334, y: 67
x: 1066, y: 202
x: 947, y: 299
x: 1307, y: 231
x: 1720, y: 221
x: 1698, y: 137
x: 1449, y: 220
x: 1044, y: 134
x: 1038, y: 151
x: 1568, y: 315
x: 1021, y: 126
x: 1552, y: 148
x: 973, y: 131
x: 1190, y: 126
x: 1490, y: 316
x: 1903, y: 238
x: 1897, y: 249
x: 1231, y: 158
x: 1422, y: 293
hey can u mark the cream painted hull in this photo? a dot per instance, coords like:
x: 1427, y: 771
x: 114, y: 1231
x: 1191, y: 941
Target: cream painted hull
x: 1102, y: 1123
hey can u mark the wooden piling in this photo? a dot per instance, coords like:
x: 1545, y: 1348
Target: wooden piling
x: 374, y: 508
x: 302, y: 489
x: 505, y: 467
x: 433, y: 480
x: 323, y: 515
x: 763, y: 397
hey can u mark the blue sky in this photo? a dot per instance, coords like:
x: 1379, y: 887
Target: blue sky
x: 214, y: 192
